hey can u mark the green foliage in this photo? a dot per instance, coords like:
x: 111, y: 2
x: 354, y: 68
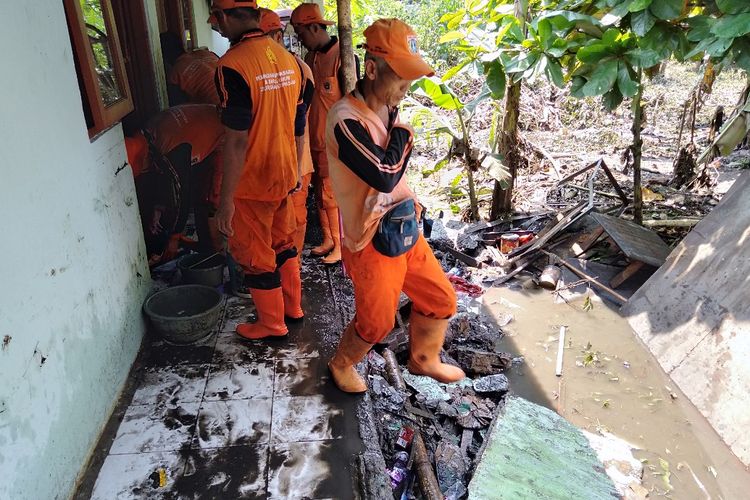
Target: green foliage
x: 598, y: 46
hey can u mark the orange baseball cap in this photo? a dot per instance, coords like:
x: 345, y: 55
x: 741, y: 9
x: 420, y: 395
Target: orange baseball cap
x: 396, y: 42
x: 308, y: 13
x: 233, y: 4
x: 269, y: 21
x: 228, y: 4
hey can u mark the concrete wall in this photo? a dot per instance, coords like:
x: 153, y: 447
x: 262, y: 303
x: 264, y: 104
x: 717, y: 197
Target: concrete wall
x: 72, y: 269
x: 694, y: 315
x: 205, y: 36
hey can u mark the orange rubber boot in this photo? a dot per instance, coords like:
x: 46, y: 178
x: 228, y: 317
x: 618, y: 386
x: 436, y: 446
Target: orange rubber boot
x: 269, y: 305
x: 426, y: 336
x: 333, y: 222
x: 327, y: 244
x: 291, y: 286
x: 350, y: 351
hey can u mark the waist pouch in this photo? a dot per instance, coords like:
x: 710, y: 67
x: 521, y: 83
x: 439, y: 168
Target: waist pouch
x: 398, y: 230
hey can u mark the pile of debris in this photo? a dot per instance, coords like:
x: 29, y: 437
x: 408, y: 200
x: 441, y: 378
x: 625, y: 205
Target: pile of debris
x: 589, y: 226
x: 430, y: 433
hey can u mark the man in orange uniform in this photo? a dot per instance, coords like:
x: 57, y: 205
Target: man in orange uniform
x: 190, y: 75
x: 270, y: 23
x: 325, y: 60
x: 193, y: 72
x: 260, y: 87
x: 183, y: 172
x: 368, y: 150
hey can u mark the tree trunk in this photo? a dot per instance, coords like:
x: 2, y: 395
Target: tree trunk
x: 344, y: 10
x: 637, y: 150
x: 502, y: 198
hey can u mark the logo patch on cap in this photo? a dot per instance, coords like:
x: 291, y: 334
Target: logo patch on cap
x: 411, y: 41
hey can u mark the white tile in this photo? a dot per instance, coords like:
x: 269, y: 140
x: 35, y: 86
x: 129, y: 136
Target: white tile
x: 305, y: 418
x: 173, y: 385
x: 300, y: 377
x: 148, y: 428
x: 236, y: 381
x: 238, y: 311
x: 225, y: 473
x: 231, y: 349
x: 138, y: 476
x: 233, y: 423
x: 297, y: 470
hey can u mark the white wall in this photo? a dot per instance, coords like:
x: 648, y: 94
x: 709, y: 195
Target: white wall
x: 205, y: 36
x: 72, y: 268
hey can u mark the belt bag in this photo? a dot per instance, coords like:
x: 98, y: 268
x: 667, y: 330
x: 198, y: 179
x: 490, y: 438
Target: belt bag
x: 398, y: 230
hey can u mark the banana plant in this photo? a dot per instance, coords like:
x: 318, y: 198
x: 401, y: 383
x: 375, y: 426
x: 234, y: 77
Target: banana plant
x: 458, y: 128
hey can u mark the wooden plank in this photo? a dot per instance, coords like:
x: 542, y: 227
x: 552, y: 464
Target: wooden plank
x: 626, y: 273
x: 635, y: 241
x: 466, y: 259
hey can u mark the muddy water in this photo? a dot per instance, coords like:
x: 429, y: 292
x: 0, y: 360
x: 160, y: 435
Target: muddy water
x: 611, y: 382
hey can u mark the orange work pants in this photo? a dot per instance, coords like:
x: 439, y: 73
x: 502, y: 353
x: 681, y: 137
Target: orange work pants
x: 299, y: 200
x: 262, y: 230
x: 378, y: 281
x: 324, y: 193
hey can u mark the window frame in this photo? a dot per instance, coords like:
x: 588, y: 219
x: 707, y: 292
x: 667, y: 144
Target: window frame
x: 103, y: 116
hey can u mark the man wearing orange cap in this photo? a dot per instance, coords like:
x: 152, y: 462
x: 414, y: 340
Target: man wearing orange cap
x: 260, y: 88
x: 384, y: 252
x: 325, y: 60
x: 270, y: 23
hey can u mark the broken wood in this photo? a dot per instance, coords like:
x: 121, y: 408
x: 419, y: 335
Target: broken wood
x: 687, y: 222
x: 466, y: 259
x: 425, y: 473
x: 619, y: 298
x: 626, y: 273
x: 479, y: 226
x: 520, y: 266
x: 393, y: 371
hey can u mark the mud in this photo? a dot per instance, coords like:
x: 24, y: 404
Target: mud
x: 612, y: 383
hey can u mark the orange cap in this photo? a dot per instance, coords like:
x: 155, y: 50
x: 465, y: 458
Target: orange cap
x: 269, y: 21
x: 396, y: 42
x: 308, y: 13
x: 233, y: 4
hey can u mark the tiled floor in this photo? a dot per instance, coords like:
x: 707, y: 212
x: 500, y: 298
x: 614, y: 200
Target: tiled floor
x: 230, y: 418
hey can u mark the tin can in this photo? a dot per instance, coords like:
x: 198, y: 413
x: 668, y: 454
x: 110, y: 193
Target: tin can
x: 550, y: 276
x: 508, y: 242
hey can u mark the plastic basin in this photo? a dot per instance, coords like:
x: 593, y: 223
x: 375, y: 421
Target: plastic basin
x: 184, y: 314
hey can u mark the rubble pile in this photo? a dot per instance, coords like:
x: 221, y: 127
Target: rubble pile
x: 451, y: 420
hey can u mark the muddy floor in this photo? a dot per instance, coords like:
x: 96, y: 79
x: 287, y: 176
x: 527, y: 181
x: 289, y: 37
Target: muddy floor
x: 612, y: 383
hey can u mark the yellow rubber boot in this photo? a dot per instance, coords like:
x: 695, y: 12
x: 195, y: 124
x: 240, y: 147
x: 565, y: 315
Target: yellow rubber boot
x: 269, y: 305
x: 426, y: 336
x: 333, y: 222
x: 351, y: 350
x: 327, y: 244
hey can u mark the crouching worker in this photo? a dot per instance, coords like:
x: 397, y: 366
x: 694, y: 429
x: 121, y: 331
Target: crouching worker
x: 183, y: 173
x: 383, y: 251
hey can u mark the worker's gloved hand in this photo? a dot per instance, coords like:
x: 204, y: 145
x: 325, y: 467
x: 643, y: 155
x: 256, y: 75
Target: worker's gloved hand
x: 224, y: 216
